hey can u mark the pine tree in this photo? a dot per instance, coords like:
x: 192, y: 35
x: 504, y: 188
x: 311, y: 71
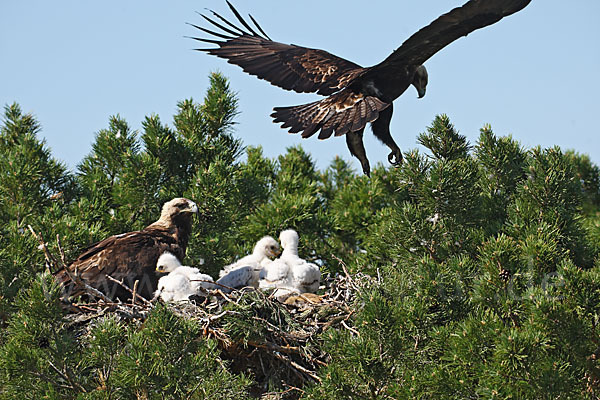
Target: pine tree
x: 481, y: 267
x: 483, y: 263
x: 33, y: 187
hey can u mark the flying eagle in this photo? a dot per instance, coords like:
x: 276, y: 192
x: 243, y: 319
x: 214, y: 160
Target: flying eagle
x: 133, y: 256
x: 356, y: 95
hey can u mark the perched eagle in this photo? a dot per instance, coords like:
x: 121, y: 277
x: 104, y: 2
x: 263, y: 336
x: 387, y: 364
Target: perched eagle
x: 356, y: 95
x: 133, y: 256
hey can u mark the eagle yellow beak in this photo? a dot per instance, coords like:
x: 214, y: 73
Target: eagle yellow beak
x: 192, y: 207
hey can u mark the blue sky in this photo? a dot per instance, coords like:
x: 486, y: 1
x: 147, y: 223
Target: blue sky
x: 534, y: 75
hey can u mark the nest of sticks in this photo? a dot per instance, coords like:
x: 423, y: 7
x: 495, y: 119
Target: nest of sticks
x: 278, y: 344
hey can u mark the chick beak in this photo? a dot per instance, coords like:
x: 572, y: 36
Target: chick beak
x: 273, y: 252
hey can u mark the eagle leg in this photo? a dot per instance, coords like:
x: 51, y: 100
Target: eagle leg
x: 354, y: 140
x: 381, y: 130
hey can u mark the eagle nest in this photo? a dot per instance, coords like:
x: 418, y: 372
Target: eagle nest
x: 278, y: 343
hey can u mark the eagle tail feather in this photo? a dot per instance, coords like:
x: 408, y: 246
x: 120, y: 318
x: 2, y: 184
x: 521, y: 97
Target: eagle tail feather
x: 333, y: 114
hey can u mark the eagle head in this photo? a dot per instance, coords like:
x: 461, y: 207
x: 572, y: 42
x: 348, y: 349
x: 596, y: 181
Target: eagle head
x: 420, y: 80
x: 167, y: 262
x: 267, y: 246
x: 175, y: 209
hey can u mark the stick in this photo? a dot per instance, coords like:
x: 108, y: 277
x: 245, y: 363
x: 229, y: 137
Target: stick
x: 50, y: 260
x: 275, y: 347
x: 231, y: 289
x: 90, y: 290
x: 135, y: 286
x: 343, y: 267
x: 110, y: 278
x: 297, y: 367
x: 357, y: 333
x: 61, y: 251
x: 224, y: 296
x: 66, y: 376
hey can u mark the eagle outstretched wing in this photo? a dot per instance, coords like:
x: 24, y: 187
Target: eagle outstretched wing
x: 461, y: 21
x: 290, y: 67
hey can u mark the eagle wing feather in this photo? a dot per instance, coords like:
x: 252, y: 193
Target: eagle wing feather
x: 459, y: 22
x: 125, y: 257
x: 288, y: 66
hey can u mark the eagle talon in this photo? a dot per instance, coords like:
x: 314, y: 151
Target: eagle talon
x: 395, y: 157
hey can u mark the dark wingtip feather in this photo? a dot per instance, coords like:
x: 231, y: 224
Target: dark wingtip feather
x: 217, y: 42
x: 215, y: 23
x: 259, y: 27
x: 242, y: 20
x: 240, y: 31
x: 217, y: 34
x: 326, y: 133
x: 310, y: 130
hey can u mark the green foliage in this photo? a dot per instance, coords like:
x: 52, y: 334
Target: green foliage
x: 482, y: 267
x: 30, y: 176
x: 41, y: 358
x: 485, y: 259
x: 444, y: 141
x: 163, y: 358
x: 502, y: 163
x: 32, y: 184
x: 36, y: 356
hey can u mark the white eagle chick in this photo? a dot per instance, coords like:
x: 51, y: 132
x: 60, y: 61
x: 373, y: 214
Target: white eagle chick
x: 174, y: 288
x: 182, y: 281
x: 289, y: 273
x: 237, y: 278
x: 264, y: 248
x: 274, y: 275
x: 277, y: 276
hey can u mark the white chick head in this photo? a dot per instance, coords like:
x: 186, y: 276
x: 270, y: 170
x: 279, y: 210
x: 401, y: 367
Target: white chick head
x: 267, y: 246
x: 167, y: 262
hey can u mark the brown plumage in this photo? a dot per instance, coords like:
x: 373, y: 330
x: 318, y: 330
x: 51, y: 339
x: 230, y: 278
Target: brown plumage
x: 132, y: 256
x: 357, y: 95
